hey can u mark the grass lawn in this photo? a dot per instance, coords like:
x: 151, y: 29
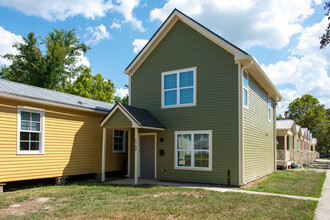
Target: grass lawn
x: 146, y: 202
x: 302, y: 183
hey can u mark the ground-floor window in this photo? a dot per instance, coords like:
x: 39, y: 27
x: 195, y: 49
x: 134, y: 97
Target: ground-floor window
x: 119, y: 141
x: 193, y: 150
x: 30, y: 131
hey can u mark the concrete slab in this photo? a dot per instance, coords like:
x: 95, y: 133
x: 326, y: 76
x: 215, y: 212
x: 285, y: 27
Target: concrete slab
x: 323, y: 208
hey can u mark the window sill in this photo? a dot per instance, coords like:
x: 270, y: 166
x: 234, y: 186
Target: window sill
x: 179, y: 106
x: 193, y: 169
x: 29, y: 153
x: 118, y: 152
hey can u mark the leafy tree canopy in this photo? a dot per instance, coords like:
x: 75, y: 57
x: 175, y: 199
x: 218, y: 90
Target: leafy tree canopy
x: 50, y: 69
x: 56, y: 67
x: 325, y: 39
x: 306, y: 111
x: 280, y: 117
x: 89, y: 86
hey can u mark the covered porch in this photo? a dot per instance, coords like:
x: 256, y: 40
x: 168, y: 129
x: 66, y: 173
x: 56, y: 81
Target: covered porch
x: 284, y: 150
x: 140, y: 129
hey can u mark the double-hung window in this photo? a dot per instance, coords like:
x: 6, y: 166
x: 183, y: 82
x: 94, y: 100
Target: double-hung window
x: 30, y: 131
x: 269, y: 108
x: 245, y: 89
x: 179, y: 88
x: 119, y: 141
x: 193, y: 150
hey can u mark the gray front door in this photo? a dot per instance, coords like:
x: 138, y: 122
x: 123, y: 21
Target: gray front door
x: 147, y: 156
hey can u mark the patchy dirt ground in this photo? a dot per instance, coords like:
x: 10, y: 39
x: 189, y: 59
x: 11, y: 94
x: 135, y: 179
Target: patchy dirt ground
x: 29, y: 206
x: 253, y: 183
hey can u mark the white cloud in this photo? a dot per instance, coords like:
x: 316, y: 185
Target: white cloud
x: 98, y: 34
x: 83, y: 60
x: 306, y: 68
x: 139, y: 44
x: 115, y: 25
x: 60, y: 9
x: 53, y: 10
x: 246, y: 23
x: 6, y: 42
x: 126, y: 8
x: 121, y: 92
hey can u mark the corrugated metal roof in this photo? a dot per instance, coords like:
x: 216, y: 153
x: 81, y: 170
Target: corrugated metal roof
x: 33, y: 92
x: 284, y: 124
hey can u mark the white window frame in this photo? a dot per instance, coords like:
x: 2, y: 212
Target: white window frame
x: 163, y: 106
x: 176, y: 133
x: 124, y: 141
x: 42, y: 129
x: 269, y: 109
x: 245, y: 88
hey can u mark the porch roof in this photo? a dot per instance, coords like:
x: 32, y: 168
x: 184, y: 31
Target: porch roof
x: 139, y: 117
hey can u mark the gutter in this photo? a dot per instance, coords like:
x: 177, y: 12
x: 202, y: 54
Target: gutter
x: 262, y: 74
x: 45, y: 102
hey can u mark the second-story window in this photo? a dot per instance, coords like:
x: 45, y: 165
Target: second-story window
x: 245, y: 89
x: 179, y: 88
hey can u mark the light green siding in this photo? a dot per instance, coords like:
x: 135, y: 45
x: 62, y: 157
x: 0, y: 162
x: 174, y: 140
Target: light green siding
x: 216, y: 109
x: 258, y: 139
x: 118, y: 120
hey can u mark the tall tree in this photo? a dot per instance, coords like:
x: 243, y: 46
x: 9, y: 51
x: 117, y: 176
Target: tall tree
x: 280, y: 117
x: 325, y: 39
x: 306, y: 111
x: 50, y: 69
x: 94, y: 87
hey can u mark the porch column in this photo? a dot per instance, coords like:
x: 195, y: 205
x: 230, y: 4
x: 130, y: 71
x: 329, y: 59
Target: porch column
x: 285, y: 147
x: 104, y: 153
x: 136, y: 173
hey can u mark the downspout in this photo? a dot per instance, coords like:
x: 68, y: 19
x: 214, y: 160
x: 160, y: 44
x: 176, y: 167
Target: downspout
x: 241, y: 119
x: 275, y: 128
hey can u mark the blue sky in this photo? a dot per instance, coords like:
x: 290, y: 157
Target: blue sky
x: 281, y: 35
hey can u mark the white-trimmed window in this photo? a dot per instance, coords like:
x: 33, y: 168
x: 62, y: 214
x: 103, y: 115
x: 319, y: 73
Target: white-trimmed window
x: 245, y: 89
x: 30, y: 131
x: 193, y: 150
x: 119, y: 141
x: 269, y: 108
x: 179, y: 88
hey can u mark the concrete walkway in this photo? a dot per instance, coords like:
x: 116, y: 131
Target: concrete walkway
x: 129, y: 181
x: 323, y: 208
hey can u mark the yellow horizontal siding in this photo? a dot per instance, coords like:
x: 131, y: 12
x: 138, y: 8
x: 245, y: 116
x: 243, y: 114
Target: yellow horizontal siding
x: 73, y: 145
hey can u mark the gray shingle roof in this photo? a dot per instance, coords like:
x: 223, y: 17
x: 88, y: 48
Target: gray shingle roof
x: 143, y: 117
x: 284, y: 124
x: 32, y: 92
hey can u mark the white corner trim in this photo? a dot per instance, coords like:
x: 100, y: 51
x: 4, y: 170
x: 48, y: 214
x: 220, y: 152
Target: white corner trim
x: 210, y: 132
x: 42, y: 130
x: 129, y: 90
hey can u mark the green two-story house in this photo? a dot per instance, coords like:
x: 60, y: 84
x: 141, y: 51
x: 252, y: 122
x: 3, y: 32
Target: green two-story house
x: 200, y: 110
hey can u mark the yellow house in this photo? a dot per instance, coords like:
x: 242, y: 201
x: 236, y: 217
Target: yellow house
x: 47, y: 134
